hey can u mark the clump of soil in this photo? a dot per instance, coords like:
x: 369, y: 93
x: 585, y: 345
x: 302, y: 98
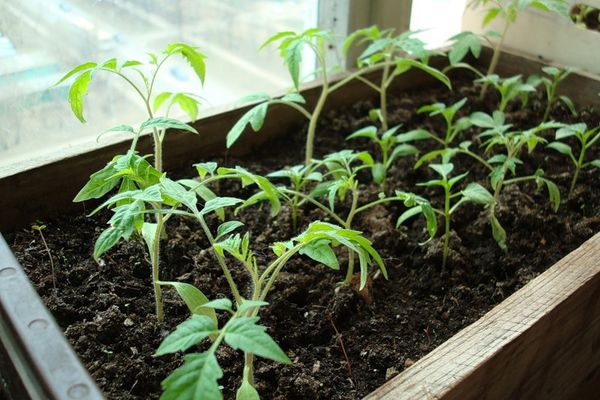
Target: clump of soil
x: 342, y: 345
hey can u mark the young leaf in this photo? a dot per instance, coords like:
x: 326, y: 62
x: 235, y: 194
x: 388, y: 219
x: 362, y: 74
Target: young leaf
x: 255, y: 117
x: 187, y: 334
x: 193, y: 298
x: 219, y: 202
x: 219, y: 304
x: 243, y: 333
x: 226, y: 228
x: 464, y: 42
x: 246, y: 392
x: 321, y: 251
x: 82, y: 67
x: 195, y: 379
x: 478, y: 194
x: 192, y: 55
x: 100, y: 183
x: 79, y: 88
x: 498, y: 232
x: 105, y: 241
x: 166, y: 123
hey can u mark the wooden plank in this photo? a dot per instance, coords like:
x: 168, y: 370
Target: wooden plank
x: 543, y: 342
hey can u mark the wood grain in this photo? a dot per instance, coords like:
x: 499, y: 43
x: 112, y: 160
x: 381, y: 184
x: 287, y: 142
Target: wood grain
x: 543, y: 342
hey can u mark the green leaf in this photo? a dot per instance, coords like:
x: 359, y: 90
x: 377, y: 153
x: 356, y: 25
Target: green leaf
x: 490, y: 15
x: 82, y: 67
x: 464, y: 42
x: 206, y: 168
x: 179, y: 193
x: 402, y: 150
x: 78, y: 89
x: 192, y: 55
x: 498, y: 232
x: 379, y: 172
x: 193, y: 298
x: 276, y: 37
x: 246, y: 392
x: 106, y: 241
x: 416, y: 134
x: 243, y: 333
x: 99, y: 184
x: 293, y: 58
x: 440, y: 76
x: 567, y: 102
x: 366, y: 132
x: 553, y: 194
x: 255, y: 117
x: 321, y: 251
x: 149, y: 234
x: 442, y: 169
x: 219, y: 202
x: 219, y: 304
x: 294, y: 97
x: 166, y: 123
x: 595, y: 163
x: 160, y: 99
x: 563, y: 149
x: 187, y: 334
x: 188, y: 104
x: 195, y: 379
x: 131, y: 63
x: 478, y: 194
x: 226, y: 228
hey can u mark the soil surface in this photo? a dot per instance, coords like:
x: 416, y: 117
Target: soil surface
x: 343, y: 345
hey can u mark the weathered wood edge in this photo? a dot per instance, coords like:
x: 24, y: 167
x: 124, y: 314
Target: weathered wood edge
x: 540, y: 343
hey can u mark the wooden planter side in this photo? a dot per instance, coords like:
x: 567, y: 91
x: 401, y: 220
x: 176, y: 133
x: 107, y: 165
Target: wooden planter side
x: 543, y: 342
x: 37, y: 361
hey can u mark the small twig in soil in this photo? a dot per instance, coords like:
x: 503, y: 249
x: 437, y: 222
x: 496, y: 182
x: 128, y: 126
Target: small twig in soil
x: 39, y: 228
x: 339, y: 338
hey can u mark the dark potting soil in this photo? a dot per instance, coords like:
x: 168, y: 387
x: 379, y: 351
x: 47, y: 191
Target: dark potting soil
x: 107, y: 312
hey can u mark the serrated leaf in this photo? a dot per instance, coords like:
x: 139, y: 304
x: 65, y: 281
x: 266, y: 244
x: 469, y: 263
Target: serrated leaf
x: 465, y: 42
x: 78, y: 90
x: 82, y: 67
x: 321, y: 251
x: 188, y: 104
x: 245, y: 334
x: 179, y: 193
x: 195, y: 379
x: 99, y: 184
x: 187, y: 334
x: 193, y: 57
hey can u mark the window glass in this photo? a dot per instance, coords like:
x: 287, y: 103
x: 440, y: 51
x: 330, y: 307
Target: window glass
x: 439, y: 20
x: 41, y: 40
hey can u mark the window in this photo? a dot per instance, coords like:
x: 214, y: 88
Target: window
x: 41, y: 40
